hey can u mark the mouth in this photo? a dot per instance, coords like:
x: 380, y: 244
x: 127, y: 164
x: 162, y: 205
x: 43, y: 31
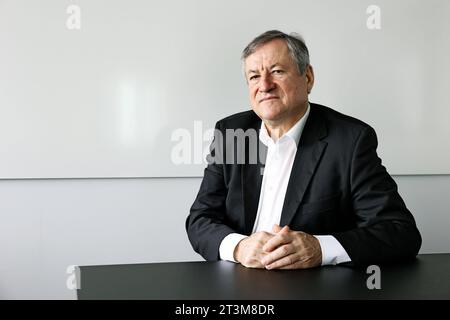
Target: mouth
x: 268, y: 98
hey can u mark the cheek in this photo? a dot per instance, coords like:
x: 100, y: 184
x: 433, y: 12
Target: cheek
x: 252, y: 94
x: 296, y: 92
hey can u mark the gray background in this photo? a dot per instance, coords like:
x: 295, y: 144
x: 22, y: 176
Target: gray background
x: 104, y: 101
x: 57, y: 119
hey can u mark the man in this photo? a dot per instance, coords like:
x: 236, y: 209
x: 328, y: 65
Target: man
x: 323, y: 197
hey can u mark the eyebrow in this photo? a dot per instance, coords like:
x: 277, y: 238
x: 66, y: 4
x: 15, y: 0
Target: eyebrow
x: 271, y: 67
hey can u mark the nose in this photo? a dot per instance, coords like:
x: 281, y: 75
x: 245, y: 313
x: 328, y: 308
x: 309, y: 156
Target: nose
x: 266, y: 83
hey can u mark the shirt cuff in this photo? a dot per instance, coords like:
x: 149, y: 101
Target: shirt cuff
x: 332, y: 251
x: 228, y: 244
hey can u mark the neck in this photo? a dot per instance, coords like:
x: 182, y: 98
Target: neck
x: 277, y: 129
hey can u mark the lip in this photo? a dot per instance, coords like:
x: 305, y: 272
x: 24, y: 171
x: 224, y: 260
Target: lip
x: 268, y: 98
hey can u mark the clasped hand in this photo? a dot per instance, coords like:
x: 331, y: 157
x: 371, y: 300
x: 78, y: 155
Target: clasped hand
x: 281, y: 249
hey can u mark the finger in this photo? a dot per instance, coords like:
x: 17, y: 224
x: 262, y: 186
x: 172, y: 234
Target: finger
x: 276, y: 242
x: 285, y: 229
x: 287, y: 262
x: 253, y: 263
x: 299, y: 264
x: 276, y: 228
x: 262, y: 236
x: 278, y: 254
x: 282, y: 237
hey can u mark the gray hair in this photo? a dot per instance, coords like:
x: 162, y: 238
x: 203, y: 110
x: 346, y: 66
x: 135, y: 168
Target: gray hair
x: 296, y: 45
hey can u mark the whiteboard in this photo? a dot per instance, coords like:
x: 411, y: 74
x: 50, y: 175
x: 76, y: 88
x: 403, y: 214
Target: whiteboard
x: 111, y: 98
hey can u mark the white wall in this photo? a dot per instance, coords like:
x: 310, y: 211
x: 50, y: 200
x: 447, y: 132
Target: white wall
x: 47, y: 225
x: 138, y: 71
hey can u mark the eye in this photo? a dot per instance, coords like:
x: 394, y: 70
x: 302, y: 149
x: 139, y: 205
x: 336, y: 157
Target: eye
x: 254, y: 77
x: 277, y: 71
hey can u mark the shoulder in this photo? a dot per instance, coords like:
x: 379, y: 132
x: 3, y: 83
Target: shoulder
x: 337, y: 120
x: 242, y: 120
x: 341, y: 127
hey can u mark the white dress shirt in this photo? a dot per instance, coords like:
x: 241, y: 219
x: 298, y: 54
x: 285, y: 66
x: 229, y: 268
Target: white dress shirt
x: 279, y: 161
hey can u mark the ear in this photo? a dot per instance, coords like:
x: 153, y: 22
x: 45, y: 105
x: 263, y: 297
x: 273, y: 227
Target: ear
x: 309, y: 74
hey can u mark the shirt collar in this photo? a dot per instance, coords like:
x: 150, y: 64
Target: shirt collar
x: 294, y: 133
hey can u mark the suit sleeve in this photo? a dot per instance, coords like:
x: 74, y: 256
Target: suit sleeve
x: 205, y: 225
x: 386, y: 230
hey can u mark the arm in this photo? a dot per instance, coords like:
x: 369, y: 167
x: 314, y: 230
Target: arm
x: 386, y: 230
x: 205, y: 224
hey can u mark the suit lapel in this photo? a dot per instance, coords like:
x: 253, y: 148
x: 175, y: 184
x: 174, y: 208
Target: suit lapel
x: 305, y: 163
x: 251, y: 180
x: 306, y: 159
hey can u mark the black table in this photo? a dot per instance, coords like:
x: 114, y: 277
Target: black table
x: 428, y: 277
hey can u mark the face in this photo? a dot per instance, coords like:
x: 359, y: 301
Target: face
x: 278, y: 92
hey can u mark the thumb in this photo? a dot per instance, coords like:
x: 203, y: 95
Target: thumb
x: 276, y: 228
x: 285, y: 229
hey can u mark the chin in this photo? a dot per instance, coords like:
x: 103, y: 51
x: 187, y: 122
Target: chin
x: 270, y: 117
x: 269, y: 114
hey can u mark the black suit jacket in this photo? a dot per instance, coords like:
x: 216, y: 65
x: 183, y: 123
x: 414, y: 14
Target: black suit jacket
x: 338, y: 186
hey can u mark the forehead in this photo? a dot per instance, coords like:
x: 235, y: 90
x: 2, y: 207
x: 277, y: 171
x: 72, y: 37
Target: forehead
x: 268, y: 54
